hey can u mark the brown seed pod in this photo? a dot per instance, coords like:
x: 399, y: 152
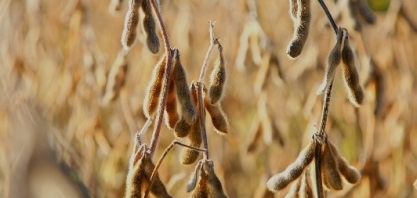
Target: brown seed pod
x: 329, y: 169
x: 194, y: 176
x: 135, y: 181
x: 293, y: 9
x: 201, y: 191
x: 157, y: 188
x: 218, y: 118
x: 188, y: 109
x: 150, y: 102
x: 294, y: 170
x: 182, y: 128
x: 217, y: 79
x: 333, y: 60
x: 148, y: 24
x: 301, y: 29
x: 171, y: 114
x: 350, y: 74
x: 349, y: 172
x: 214, y: 185
x: 187, y: 155
x: 306, y: 190
x: 294, y: 189
x: 354, y: 13
x: 366, y: 12
x: 116, y: 78
x: 131, y: 22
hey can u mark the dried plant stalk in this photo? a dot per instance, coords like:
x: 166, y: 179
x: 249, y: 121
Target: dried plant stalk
x: 294, y: 170
x: 350, y: 74
x: 217, y: 78
x: 329, y: 169
x: 301, y: 29
x: 333, y: 60
x: 150, y: 102
x: 148, y: 25
x: 131, y: 23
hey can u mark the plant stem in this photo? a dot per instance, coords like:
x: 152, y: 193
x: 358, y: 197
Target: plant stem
x: 317, y: 161
x: 325, y: 111
x: 158, y: 164
x: 169, y: 57
x: 329, y: 16
x: 202, y: 112
x: 210, y: 49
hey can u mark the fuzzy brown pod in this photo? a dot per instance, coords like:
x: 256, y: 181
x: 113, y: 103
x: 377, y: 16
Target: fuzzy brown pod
x: 306, y: 188
x: 350, y: 173
x: 218, y: 118
x: 194, y: 176
x: 217, y: 79
x: 182, y: 128
x: 131, y: 23
x: 333, y: 60
x: 293, y: 4
x: 187, y: 155
x: 156, y: 188
x: 135, y: 182
x: 188, y: 108
x: 350, y: 74
x: 171, y: 115
x: 116, y: 78
x: 148, y: 25
x: 209, y: 184
x: 153, y: 91
x: 329, y: 169
x: 294, y: 170
x: 301, y: 29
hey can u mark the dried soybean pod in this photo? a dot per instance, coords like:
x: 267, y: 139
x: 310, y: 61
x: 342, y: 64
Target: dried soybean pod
x: 115, y: 78
x: 201, y: 191
x: 301, y: 28
x: 350, y: 173
x: 187, y: 155
x: 135, y: 176
x: 171, y: 114
x: 182, y: 128
x: 150, y: 102
x: 217, y: 78
x: 214, y: 185
x: 148, y: 24
x: 156, y: 188
x: 329, y: 171
x: 350, y: 74
x: 218, y: 118
x: 293, y: 10
x: 194, y: 176
x: 333, y: 60
x: 354, y: 13
x: 188, y: 109
x: 366, y: 12
x: 294, y: 189
x: 131, y: 22
x: 294, y: 170
x: 306, y: 190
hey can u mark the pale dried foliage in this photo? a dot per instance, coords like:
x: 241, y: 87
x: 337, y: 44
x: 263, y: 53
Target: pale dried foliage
x: 57, y: 56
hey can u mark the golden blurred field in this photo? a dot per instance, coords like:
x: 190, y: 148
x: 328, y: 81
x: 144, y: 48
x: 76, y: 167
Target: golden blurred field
x: 60, y: 134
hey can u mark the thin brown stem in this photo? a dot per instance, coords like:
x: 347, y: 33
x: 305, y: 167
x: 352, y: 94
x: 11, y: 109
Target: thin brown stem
x: 317, y: 161
x: 328, y: 15
x: 202, y: 112
x: 169, y: 56
x: 210, y: 49
x: 158, y: 164
x: 325, y: 111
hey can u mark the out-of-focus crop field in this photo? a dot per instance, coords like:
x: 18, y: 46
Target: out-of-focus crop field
x: 62, y: 131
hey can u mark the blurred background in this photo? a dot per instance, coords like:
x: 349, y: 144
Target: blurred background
x: 66, y: 126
